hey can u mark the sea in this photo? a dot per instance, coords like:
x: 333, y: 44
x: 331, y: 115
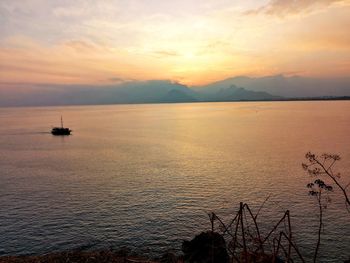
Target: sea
x: 146, y: 176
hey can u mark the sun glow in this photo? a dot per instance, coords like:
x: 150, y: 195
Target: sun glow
x: 190, y: 42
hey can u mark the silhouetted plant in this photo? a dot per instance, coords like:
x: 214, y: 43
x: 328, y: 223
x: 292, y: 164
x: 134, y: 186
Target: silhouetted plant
x: 317, y: 190
x: 323, y: 165
x: 318, y: 166
x: 246, y: 242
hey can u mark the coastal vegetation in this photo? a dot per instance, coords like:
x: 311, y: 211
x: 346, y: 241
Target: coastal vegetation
x: 245, y: 240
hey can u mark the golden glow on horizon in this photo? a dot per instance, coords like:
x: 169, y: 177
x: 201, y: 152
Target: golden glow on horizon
x: 183, y: 45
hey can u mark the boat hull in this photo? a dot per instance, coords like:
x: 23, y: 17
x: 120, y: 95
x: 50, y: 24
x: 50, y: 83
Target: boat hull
x: 60, y: 131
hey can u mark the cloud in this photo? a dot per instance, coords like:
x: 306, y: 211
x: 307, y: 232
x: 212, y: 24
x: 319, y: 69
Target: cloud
x: 81, y: 46
x: 166, y: 53
x: 119, y: 80
x: 69, y: 12
x: 291, y: 7
x: 197, y: 42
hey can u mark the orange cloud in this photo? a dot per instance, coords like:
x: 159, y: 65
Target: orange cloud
x: 193, y: 48
x: 287, y: 7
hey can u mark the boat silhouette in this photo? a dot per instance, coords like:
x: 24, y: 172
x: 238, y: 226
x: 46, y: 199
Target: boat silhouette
x: 59, y: 131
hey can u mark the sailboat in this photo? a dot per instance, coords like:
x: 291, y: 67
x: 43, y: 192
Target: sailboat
x: 60, y: 130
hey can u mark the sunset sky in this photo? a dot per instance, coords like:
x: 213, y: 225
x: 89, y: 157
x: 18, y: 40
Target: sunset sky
x: 194, y: 42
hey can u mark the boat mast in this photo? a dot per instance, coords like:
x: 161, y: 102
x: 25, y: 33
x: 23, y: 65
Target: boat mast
x: 61, y: 122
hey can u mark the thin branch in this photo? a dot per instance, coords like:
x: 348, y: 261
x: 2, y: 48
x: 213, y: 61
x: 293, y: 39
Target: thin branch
x: 319, y: 227
x: 262, y: 205
x: 335, y: 181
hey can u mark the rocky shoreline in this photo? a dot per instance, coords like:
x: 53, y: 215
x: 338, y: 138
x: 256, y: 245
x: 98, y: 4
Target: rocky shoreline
x: 101, y: 256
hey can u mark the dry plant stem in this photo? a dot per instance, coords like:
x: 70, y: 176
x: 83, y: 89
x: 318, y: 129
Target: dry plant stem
x: 275, y: 248
x: 347, y: 200
x: 212, y: 219
x: 278, y: 244
x: 226, y: 230
x: 233, y: 220
x: 235, y: 235
x: 239, y: 231
x: 290, y: 237
x: 242, y: 229
x: 256, y: 227
x: 295, y: 247
x: 286, y: 214
x: 319, y: 227
x: 285, y: 253
x: 262, y: 205
x: 318, y: 166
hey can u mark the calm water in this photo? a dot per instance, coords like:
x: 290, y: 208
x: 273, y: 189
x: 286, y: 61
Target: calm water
x: 144, y: 176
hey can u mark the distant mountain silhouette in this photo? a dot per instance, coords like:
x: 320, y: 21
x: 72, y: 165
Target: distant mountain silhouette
x: 280, y: 85
x: 153, y: 91
x: 165, y: 91
x: 178, y: 96
x: 234, y: 93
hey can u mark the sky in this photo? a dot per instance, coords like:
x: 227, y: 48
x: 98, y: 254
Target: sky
x: 193, y: 42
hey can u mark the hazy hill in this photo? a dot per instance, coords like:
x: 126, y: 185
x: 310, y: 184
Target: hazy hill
x: 234, y: 93
x: 175, y: 95
x: 153, y: 91
x: 280, y: 85
x: 159, y: 91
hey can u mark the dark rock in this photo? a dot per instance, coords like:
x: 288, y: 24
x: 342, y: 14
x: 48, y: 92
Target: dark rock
x: 168, y: 257
x: 207, y: 247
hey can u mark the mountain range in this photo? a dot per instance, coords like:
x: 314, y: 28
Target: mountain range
x: 267, y: 88
x: 289, y: 87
